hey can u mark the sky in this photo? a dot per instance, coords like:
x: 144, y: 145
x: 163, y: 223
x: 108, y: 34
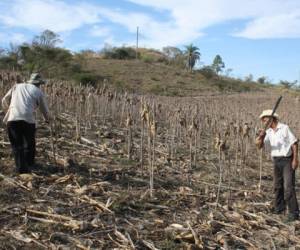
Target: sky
x: 258, y: 37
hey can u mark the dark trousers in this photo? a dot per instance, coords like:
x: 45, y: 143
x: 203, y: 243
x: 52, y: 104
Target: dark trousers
x: 284, y: 186
x: 22, y: 139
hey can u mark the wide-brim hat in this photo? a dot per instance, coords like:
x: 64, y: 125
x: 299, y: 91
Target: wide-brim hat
x: 35, y: 78
x: 268, y: 112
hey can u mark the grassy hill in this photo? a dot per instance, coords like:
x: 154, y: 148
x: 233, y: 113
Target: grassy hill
x: 141, y: 76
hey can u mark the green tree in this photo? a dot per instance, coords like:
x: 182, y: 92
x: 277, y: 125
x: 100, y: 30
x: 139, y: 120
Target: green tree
x: 287, y: 84
x: 10, y: 57
x: 47, y: 39
x: 249, y: 78
x: 262, y: 79
x: 207, y: 71
x: 172, y: 54
x: 2, y: 51
x: 41, y: 55
x: 218, y: 65
x: 193, y: 55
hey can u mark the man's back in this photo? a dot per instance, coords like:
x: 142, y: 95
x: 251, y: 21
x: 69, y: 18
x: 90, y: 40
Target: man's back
x: 24, y: 100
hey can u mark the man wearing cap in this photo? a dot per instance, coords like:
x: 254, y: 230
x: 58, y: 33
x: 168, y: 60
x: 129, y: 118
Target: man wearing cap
x: 284, y: 152
x: 21, y: 102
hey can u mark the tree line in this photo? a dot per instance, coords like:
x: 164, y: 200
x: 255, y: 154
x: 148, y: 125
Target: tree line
x: 44, y: 55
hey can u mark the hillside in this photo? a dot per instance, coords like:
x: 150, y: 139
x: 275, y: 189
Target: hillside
x: 159, y: 78
x: 143, y: 71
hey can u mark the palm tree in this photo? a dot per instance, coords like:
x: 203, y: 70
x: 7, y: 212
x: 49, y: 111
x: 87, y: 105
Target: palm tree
x: 193, y: 55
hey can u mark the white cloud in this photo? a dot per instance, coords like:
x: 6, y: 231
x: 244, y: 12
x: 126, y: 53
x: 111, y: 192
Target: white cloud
x: 15, y: 38
x: 183, y: 21
x: 264, y: 19
x: 281, y: 26
x: 153, y: 33
x: 48, y: 14
x: 99, y: 31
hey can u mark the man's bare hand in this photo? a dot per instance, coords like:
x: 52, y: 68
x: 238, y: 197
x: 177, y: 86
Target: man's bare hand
x: 48, y: 119
x: 295, y: 164
x: 261, y: 134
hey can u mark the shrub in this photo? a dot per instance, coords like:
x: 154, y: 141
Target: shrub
x: 87, y: 78
x: 207, y: 72
x: 119, y: 85
x: 75, y: 68
x: 157, y: 89
x: 121, y: 53
x: 148, y: 58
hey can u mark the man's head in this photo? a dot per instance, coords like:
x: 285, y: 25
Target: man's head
x: 266, y: 115
x: 36, y: 79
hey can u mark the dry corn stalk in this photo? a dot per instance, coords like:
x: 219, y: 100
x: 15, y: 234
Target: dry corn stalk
x: 129, y: 127
x: 144, y: 119
x: 221, y: 147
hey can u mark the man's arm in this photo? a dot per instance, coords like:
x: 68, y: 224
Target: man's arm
x: 6, y: 100
x: 259, y: 141
x: 44, y: 108
x: 291, y: 138
x: 295, y: 161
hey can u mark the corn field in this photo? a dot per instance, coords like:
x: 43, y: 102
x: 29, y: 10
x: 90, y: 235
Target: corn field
x: 127, y: 171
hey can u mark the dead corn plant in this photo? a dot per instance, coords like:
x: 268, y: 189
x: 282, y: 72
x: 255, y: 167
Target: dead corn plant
x: 220, y: 145
x: 129, y: 123
x: 144, y: 120
x: 153, y: 130
x: 193, y: 135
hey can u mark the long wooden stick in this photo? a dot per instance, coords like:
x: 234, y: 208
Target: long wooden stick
x: 273, y: 112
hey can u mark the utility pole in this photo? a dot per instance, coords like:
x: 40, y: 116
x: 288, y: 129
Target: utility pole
x: 137, y: 42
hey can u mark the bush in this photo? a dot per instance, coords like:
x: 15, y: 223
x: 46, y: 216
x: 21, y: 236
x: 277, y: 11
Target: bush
x: 157, y: 89
x: 120, y: 53
x: 87, y: 78
x: 75, y: 68
x: 233, y: 85
x: 148, y: 59
x: 207, y: 71
x: 119, y: 85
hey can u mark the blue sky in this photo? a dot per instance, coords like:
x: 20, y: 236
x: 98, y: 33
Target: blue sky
x: 259, y: 37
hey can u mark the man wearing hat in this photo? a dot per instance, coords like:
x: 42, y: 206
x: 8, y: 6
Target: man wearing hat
x: 21, y: 102
x: 284, y: 152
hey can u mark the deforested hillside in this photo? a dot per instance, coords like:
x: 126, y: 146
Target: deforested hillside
x: 167, y: 72
x: 161, y: 79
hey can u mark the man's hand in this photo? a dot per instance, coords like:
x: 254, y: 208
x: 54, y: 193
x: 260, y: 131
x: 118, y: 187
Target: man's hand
x: 295, y: 161
x: 261, y: 134
x: 295, y: 164
x: 259, y: 141
x: 48, y: 119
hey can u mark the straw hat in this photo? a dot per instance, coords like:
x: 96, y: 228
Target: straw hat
x: 268, y: 112
x: 35, y: 78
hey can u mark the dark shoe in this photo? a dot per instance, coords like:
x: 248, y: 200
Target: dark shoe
x: 292, y: 218
x: 275, y: 211
x: 279, y: 212
x: 24, y: 171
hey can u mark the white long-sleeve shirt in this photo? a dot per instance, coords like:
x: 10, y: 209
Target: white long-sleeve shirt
x: 22, y: 100
x: 280, y: 140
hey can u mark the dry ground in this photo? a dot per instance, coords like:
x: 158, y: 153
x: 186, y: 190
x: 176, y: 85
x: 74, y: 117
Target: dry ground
x: 86, y: 194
